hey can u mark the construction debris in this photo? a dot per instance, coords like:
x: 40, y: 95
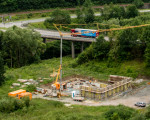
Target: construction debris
x: 22, y: 80
x: 16, y: 84
x: 138, y: 81
x: 53, y: 74
x: 27, y: 83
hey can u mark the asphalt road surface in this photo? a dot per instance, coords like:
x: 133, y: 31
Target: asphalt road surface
x: 19, y: 23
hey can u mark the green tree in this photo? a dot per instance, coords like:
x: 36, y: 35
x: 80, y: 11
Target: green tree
x: 145, y: 40
x: 87, y: 4
x: 138, y: 3
x: 147, y: 54
x: 2, y: 71
x: 131, y: 11
x: 21, y: 46
x: 125, y: 45
x: 113, y: 11
x: 98, y: 50
x: 147, y: 113
x: 101, y: 48
x: 1, y: 37
x: 60, y: 17
x: 80, y: 15
x: 89, y: 16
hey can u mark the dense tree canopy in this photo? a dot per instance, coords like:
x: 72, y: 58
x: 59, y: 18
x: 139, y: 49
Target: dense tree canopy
x: 138, y: 3
x: 21, y: 46
x: 131, y: 11
x: 18, y: 5
x: 58, y: 17
x: 2, y: 71
x: 116, y: 11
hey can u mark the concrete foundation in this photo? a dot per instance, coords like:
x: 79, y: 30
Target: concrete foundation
x: 106, y: 91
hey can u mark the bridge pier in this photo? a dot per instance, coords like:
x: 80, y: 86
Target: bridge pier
x: 82, y: 46
x: 73, y: 49
x: 44, y: 40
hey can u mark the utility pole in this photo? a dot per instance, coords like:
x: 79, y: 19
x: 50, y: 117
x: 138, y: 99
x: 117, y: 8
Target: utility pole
x: 61, y: 36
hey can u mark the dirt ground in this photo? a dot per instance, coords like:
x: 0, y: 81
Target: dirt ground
x: 139, y: 95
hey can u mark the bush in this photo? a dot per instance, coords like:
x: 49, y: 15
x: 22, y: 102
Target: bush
x: 131, y: 11
x: 97, y: 50
x: 26, y: 101
x: 138, y: 116
x: 138, y: 3
x: 29, y: 15
x: 31, y: 88
x: 18, y: 104
x: 2, y: 71
x: 6, y: 105
x: 9, y: 104
x: 58, y: 104
x: 60, y: 17
x: 147, y: 113
x: 113, y: 11
x: 119, y: 113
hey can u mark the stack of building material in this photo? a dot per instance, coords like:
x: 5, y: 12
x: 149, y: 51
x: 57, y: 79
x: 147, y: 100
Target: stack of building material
x: 116, y: 78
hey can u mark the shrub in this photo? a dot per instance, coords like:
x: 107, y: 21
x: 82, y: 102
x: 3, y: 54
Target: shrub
x: 138, y: 3
x: 26, y: 101
x: 138, y: 116
x: 9, y: 104
x: 131, y: 11
x: 60, y: 17
x: 6, y: 105
x: 31, y: 88
x: 29, y: 15
x: 97, y: 50
x: 43, y: 15
x: 147, y: 113
x: 18, y: 104
x: 58, y: 104
x: 2, y: 71
x: 119, y: 113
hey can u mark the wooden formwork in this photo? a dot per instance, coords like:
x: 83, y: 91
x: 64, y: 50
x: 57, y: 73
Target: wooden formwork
x: 105, y: 92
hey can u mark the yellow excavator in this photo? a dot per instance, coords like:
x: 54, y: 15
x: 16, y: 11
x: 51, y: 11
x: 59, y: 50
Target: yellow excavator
x: 56, y: 86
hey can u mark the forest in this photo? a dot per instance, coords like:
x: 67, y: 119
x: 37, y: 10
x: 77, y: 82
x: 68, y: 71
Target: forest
x: 19, y: 5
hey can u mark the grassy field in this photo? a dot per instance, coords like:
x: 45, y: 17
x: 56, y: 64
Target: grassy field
x: 51, y: 110
x: 96, y: 69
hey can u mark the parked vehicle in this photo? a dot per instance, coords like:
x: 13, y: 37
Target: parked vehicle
x: 89, y: 33
x: 140, y: 104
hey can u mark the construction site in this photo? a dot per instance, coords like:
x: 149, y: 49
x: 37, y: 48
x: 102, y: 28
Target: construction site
x: 82, y: 88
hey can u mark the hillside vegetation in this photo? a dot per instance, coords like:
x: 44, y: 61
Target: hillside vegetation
x: 44, y: 109
x: 99, y: 70
x: 19, y: 5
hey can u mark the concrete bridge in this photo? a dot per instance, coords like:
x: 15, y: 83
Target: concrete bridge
x: 54, y: 35
x: 72, y: 39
